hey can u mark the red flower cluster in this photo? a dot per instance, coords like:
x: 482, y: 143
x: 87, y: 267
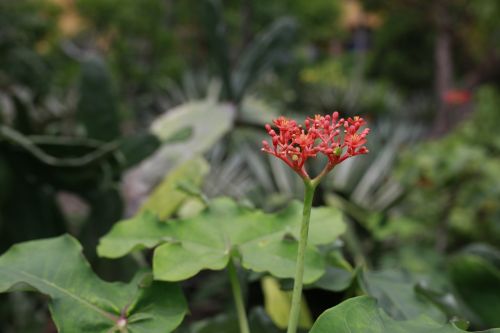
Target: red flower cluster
x: 457, y: 97
x: 337, y: 139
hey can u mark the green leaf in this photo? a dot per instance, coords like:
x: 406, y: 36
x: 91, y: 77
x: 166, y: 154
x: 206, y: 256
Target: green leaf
x: 98, y: 106
x: 265, y: 242
x: 79, y: 300
x: 137, y: 147
x: 205, y: 122
x: 200, y: 123
x: 167, y: 197
x: 476, y: 281
x: 396, y: 294
x: 485, y: 251
x: 105, y: 208
x: 139, y: 232
x: 338, y: 275
x: 361, y: 315
x: 446, y: 301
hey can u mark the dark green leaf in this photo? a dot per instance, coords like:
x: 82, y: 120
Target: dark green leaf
x: 395, y: 293
x: 361, y: 315
x: 338, y: 275
x: 79, y: 300
x: 137, y: 147
x: 97, y: 106
x: 477, y: 283
x: 258, y: 320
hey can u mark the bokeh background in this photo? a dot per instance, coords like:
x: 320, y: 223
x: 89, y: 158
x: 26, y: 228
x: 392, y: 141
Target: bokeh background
x: 100, y: 100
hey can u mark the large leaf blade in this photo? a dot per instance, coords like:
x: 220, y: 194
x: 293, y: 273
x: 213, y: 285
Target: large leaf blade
x: 361, y: 315
x: 263, y: 242
x: 80, y: 301
x: 396, y: 294
x: 476, y: 280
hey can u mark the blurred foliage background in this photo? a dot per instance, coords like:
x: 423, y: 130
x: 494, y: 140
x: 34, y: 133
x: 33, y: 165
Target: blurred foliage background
x: 102, y: 100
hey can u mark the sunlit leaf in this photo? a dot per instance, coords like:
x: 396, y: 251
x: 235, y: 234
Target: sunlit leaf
x: 264, y: 242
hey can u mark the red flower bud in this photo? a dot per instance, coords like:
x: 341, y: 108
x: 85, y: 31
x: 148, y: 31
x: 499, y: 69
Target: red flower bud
x: 294, y: 145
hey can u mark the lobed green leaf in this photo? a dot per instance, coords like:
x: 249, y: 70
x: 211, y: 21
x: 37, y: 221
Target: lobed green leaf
x: 361, y: 315
x: 79, y: 300
x: 263, y: 242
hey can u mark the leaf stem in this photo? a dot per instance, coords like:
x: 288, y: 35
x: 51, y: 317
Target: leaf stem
x: 238, y: 297
x: 310, y: 187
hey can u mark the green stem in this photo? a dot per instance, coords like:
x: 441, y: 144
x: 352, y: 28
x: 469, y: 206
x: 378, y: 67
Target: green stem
x: 310, y: 187
x: 238, y: 298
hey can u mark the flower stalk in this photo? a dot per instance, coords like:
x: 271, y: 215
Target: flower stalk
x: 293, y: 320
x: 238, y: 297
